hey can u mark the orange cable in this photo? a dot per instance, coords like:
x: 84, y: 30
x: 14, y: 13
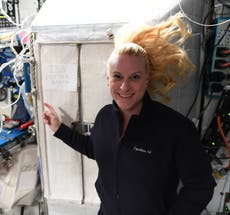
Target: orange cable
x: 227, y: 51
x: 224, y: 65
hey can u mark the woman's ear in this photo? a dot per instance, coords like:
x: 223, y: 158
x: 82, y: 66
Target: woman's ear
x: 147, y: 79
x: 107, y: 77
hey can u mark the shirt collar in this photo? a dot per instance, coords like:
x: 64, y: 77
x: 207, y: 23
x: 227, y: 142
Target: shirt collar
x: 145, y: 107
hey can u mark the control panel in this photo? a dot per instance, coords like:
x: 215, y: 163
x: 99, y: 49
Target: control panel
x: 219, y: 70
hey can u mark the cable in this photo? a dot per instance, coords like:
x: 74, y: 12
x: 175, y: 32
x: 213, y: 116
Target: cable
x: 196, y: 95
x: 224, y: 139
x: 1, y: 122
x: 227, y: 52
x: 225, y: 3
x: 207, y: 16
x: 8, y: 17
x: 203, y: 69
x: 24, y: 49
x: 18, y: 65
x: 14, y: 23
x: 225, y: 65
x: 206, y: 106
x: 203, y: 74
x: 4, y: 65
x: 197, y: 23
x: 222, y: 192
x: 225, y: 32
x: 18, y: 61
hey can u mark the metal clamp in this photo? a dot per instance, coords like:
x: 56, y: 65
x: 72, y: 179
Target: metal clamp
x: 83, y: 127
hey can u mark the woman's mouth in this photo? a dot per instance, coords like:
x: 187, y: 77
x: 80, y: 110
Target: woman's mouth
x: 125, y: 95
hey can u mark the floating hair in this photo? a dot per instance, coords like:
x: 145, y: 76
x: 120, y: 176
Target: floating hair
x: 163, y: 44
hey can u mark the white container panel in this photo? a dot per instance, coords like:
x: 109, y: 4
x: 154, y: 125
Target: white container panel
x: 94, y: 87
x: 62, y: 172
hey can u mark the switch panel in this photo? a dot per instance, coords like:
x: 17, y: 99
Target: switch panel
x: 218, y: 75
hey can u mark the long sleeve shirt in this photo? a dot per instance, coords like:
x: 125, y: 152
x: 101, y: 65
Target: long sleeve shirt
x: 140, y: 172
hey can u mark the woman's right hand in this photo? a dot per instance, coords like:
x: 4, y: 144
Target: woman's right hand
x: 51, y: 118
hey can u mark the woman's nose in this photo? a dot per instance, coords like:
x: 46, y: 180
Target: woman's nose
x: 124, y: 85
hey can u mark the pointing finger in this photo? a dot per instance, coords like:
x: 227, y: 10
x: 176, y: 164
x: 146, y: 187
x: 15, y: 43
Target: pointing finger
x: 51, y: 109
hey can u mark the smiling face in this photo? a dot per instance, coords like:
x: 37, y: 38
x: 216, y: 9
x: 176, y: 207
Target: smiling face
x: 128, y: 79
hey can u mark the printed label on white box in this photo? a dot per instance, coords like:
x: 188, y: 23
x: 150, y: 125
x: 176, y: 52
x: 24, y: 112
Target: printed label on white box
x: 60, y: 77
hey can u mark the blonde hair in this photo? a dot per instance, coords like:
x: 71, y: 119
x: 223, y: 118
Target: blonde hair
x: 161, y: 47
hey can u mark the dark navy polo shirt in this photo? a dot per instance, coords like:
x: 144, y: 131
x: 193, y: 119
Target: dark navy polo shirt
x: 139, y: 174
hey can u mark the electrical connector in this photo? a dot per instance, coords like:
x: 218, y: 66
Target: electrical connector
x: 222, y: 64
x: 216, y: 88
x: 222, y: 52
x: 217, y: 76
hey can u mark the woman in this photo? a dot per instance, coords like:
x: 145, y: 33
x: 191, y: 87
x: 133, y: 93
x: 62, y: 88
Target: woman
x: 142, y: 147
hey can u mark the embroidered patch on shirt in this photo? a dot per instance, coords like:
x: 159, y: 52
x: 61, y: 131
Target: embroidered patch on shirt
x: 138, y: 149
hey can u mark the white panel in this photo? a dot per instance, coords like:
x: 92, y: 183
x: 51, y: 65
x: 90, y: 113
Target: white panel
x: 88, y: 20
x: 72, y: 12
x: 14, y: 188
x: 27, y: 8
x: 94, y: 87
x: 90, y: 174
x: 63, y: 163
x: 95, y: 94
x: 223, y: 186
x: 57, y: 207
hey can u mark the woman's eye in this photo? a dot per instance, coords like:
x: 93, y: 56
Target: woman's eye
x: 136, y: 77
x: 116, y: 76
